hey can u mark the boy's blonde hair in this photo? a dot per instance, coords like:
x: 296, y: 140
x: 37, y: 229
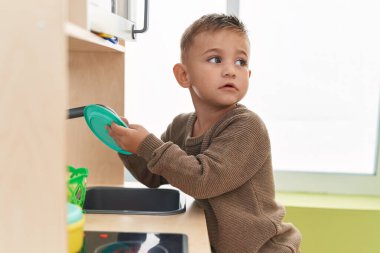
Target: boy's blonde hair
x: 212, y: 23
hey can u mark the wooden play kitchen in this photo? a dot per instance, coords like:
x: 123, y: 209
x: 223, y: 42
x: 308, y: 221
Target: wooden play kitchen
x: 52, y: 62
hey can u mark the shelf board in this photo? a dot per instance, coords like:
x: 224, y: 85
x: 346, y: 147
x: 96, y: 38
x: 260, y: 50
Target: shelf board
x: 83, y: 40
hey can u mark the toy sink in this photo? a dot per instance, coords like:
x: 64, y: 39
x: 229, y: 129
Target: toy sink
x: 144, y: 201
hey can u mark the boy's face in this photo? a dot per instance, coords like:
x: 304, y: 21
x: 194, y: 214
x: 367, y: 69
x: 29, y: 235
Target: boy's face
x: 217, y: 68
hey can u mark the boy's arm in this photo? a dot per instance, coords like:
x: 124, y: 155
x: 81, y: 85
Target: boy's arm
x: 233, y: 156
x: 128, y: 139
x: 138, y: 168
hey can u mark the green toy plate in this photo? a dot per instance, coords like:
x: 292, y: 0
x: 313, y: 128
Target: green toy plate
x: 97, y: 117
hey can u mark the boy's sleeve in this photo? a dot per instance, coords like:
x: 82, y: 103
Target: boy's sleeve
x: 233, y: 156
x: 137, y: 166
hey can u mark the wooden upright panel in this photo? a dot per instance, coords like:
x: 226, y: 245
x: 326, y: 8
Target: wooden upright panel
x: 33, y: 98
x: 95, y: 78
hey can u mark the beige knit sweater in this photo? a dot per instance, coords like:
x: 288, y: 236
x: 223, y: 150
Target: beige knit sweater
x: 228, y: 171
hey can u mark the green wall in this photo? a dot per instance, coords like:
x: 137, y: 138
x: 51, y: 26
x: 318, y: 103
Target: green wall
x: 334, y: 224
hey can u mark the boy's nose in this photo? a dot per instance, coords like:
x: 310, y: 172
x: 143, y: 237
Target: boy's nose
x: 229, y: 71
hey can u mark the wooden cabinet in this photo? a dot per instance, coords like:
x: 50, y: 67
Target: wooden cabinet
x: 47, y: 66
x: 96, y: 76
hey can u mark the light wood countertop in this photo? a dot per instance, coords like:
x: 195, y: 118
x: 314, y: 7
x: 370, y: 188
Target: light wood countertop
x: 192, y: 223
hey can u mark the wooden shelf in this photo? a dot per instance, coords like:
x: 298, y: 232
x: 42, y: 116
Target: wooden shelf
x: 96, y: 76
x: 83, y: 40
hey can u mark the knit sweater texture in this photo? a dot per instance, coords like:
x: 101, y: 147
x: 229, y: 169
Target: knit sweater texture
x: 228, y: 171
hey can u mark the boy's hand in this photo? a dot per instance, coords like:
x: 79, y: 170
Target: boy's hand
x: 129, y: 138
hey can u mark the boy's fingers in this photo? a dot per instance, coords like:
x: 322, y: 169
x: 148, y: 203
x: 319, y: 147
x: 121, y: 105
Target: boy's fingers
x: 118, y: 130
x: 133, y: 126
x: 115, y: 126
x: 112, y: 129
x: 125, y: 120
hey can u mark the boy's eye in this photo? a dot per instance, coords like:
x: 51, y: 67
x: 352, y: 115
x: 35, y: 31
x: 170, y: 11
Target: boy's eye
x: 241, y: 62
x: 215, y: 59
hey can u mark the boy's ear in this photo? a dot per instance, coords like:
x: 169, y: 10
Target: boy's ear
x: 180, y: 74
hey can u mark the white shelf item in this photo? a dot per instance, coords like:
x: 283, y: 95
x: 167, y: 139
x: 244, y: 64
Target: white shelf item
x: 83, y: 40
x: 101, y: 20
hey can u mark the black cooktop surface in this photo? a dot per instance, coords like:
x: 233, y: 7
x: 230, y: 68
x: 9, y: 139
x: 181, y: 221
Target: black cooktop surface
x: 120, y: 242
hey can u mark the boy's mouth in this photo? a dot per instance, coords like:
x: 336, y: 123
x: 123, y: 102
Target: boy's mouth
x: 228, y: 86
